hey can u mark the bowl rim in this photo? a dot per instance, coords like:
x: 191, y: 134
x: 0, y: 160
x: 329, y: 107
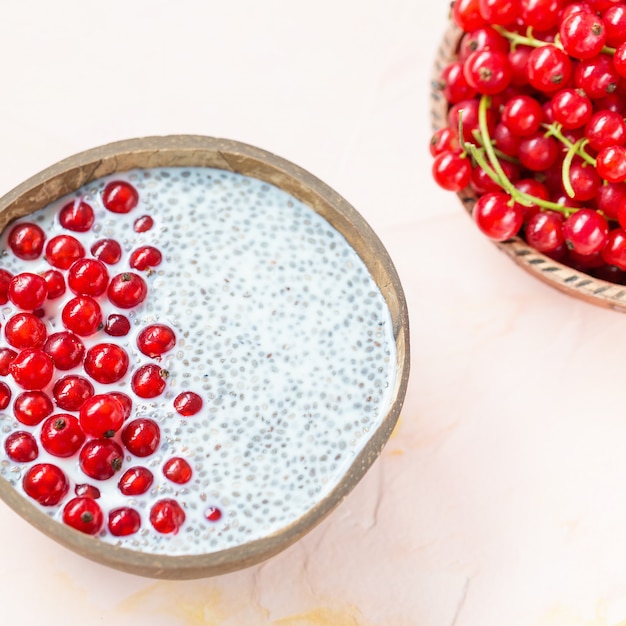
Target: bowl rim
x: 72, y: 173
x: 566, y: 279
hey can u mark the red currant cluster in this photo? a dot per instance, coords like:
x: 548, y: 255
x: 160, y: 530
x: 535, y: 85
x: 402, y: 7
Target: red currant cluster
x: 51, y: 377
x: 535, y: 126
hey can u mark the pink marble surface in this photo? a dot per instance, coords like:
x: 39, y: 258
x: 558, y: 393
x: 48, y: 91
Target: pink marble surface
x: 500, y: 498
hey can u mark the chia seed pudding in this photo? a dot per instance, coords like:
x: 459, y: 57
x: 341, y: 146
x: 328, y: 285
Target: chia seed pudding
x: 280, y: 329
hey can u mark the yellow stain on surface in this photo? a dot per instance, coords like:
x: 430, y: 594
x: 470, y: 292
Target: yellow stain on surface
x: 563, y: 616
x: 348, y: 616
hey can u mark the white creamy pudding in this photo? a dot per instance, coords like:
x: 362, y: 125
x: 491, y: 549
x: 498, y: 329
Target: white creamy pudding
x: 279, y: 329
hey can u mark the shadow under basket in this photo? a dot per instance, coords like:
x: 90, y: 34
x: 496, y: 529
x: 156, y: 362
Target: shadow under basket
x: 233, y: 159
x: 573, y: 282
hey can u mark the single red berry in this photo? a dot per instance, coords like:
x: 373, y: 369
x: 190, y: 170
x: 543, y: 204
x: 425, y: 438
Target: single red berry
x: 106, y: 362
x: 127, y: 290
x: 135, y: 481
x: 101, y: 458
x: 605, y: 129
x: 6, y: 358
x: 148, y: 381
x: 483, y: 38
x: 82, y: 315
x: 87, y: 491
x: 584, y: 180
x: 46, y: 483
x: 585, y: 232
x: 609, y: 199
x: 101, y: 415
x: 549, y: 68
x: 125, y: 401
x: 454, y: 85
x: 21, y: 447
x: 487, y: 71
x: 26, y: 241
x: 522, y: 115
x: 88, y: 277
x: 538, y: 152
x: 27, y: 291
x: 117, y: 325
x: 582, y: 35
x: 124, y: 521
x: 187, y: 403
x: 65, y: 349
x: 61, y: 435
x: 141, y: 436
x: 83, y: 514
x: 619, y: 59
x: 597, y: 77
x: 25, y: 330
x: 501, y: 12
x: 483, y: 183
x: 614, y: 19
x: 571, y: 108
x: 145, y: 257
x: 497, y: 216
x: 451, y: 171
x: 5, y: 395
x: 143, y: 224
x: 32, y: 369
x: 614, y: 250
x: 445, y: 139
x: 76, y: 215
x: 71, y: 392
x: 177, y: 470
x: 55, y: 282
x: 541, y: 15
x: 108, y: 251
x: 466, y: 15
x: 5, y: 279
x: 467, y: 111
x: 31, y: 407
x: 213, y: 514
x: 63, y: 250
x: 120, y: 197
x: 167, y: 516
x: 156, y: 339
x: 611, y: 164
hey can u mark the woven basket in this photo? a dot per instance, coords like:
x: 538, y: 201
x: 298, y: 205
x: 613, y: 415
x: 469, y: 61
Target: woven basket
x: 570, y: 281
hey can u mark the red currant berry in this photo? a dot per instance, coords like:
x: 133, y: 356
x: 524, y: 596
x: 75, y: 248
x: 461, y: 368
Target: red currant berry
x: 454, y: 85
x: 6, y: 358
x: 156, y: 339
x: 467, y: 111
x: 611, y: 164
x: 571, y: 108
x: 26, y: 241
x: 187, y: 403
x: 501, y: 12
x: 213, y: 514
x: 46, y: 483
x: 87, y: 491
x: 5, y: 395
x: 522, y: 115
x: 117, y: 325
x: 55, y: 283
x: 541, y: 15
x: 25, y: 330
x: 597, y: 77
x: 31, y: 407
x: 605, y: 129
x: 124, y: 521
x: 177, y: 470
x: 143, y: 224
x: 135, y: 481
x: 106, y: 362
x: 484, y: 38
x: 582, y: 35
x: 5, y: 279
x: 63, y: 250
x: 61, y: 435
x: 21, y: 447
x: 120, y: 197
x: 32, y: 369
x: 487, y: 71
x: 71, y: 392
x: 549, y: 68
x: 506, y: 141
x: 584, y: 180
x: 127, y: 290
x: 88, y: 277
x: 452, y: 171
x: 614, y: 251
x: 141, y: 436
x: 101, y: 458
x: 125, y: 402
x: 614, y: 19
x: 148, y: 381
x: 538, y: 152
x: 145, y: 257
x: 83, y: 514
x: 497, y: 216
x: 27, y: 291
x: 445, y: 139
x: 82, y: 316
x: 107, y: 250
x: 585, y: 232
x: 466, y: 15
x: 619, y: 60
x: 101, y: 415
x: 65, y: 349
x: 167, y: 516
x: 76, y: 215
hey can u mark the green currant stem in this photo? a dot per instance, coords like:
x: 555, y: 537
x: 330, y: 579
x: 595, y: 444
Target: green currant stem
x: 567, y: 164
x: 501, y: 156
x: 554, y: 130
